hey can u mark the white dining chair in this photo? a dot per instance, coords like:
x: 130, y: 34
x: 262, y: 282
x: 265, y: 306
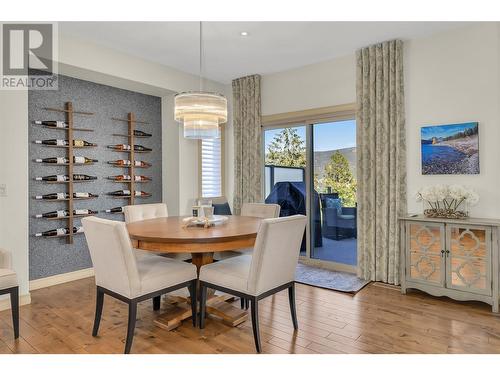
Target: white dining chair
x: 118, y: 273
x: 268, y: 270
x: 9, y: 285
x: 260, y: 210
x: 140, y: 212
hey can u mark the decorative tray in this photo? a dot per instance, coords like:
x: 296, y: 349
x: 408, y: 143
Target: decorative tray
x: 205, y: 222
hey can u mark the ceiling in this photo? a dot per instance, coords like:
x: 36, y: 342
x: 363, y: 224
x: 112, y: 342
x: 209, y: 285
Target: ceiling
x: 269, y: 47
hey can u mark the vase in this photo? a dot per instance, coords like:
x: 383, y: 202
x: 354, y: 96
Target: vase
x: 446, y: 209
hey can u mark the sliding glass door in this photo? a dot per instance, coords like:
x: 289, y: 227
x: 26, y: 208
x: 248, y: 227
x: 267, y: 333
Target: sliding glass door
x: 311, y: 169
x: 285, y: 171
x: 334, y: 217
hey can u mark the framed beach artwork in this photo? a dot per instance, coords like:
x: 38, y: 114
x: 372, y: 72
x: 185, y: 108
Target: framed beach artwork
x: 450, y: 149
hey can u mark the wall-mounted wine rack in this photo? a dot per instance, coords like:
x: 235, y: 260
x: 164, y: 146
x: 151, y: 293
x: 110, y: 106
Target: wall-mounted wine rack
x: 69, y: 129
x: 131, y: 121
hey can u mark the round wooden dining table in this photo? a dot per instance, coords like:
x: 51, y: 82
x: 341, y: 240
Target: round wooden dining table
x: 172, y: 235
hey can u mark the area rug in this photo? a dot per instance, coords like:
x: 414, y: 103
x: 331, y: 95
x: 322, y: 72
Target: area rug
x: 334, y: 280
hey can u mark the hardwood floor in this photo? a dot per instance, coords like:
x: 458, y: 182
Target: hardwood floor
x: 376, y: 320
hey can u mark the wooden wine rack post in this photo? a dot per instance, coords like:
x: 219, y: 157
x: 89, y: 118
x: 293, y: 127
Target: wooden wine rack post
x: 131, y: 121
x: 131, y: 127
x: 69, y: 120
x: 68, y: 110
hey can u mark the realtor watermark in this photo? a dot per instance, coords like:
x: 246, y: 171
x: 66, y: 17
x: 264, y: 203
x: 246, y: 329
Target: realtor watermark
x: 28, y: 56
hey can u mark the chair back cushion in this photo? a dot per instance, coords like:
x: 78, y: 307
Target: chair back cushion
x: 5, y: 259
x: 276, y: 253
x: 261, y: 210
x: 144, y: 212
x: 221, y: 209
x: 115, y: 266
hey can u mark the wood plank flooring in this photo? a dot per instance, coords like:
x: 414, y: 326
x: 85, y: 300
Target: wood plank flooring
x: 376, y: 320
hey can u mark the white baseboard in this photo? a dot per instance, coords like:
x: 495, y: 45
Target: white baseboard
x: 61, y: 279
x: 25, y: 299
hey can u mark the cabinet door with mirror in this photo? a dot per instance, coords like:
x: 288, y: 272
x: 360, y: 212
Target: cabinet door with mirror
x: 425, y: 253
x: 468, y: 258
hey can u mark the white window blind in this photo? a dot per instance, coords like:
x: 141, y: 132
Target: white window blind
x: 211, y: 168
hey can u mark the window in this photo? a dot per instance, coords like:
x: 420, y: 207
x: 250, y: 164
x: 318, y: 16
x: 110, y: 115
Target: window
x: 211, y: 167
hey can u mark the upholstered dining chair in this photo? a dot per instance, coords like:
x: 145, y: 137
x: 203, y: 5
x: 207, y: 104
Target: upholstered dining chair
x: 150, y: 211
x: 9, y: 285
x: 118, y: 273
x: 260, y: 210
x: 270, y: 269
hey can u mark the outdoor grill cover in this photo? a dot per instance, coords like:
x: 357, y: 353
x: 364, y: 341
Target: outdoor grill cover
x: 291, y: 196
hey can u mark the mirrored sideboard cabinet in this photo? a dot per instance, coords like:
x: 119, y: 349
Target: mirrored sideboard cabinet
x: 451, y: 257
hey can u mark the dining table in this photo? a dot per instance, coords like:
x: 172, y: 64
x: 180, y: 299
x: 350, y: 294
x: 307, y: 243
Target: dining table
x: 173, y: 235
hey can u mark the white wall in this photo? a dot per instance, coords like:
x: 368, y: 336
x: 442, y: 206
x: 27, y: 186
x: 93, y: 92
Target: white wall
x: 449, y: 77
x: 454, y: 77
x: 320, y: 85
x: 84, y: 60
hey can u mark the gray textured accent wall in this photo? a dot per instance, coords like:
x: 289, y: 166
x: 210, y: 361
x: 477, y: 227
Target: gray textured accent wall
x: 52, y: 256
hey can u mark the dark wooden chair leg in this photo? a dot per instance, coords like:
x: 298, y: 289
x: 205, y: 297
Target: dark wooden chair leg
x: 132, y: 314
x: 293, y: 310
x: 156, y: 303
x: 14, y: 303
x: 242, y: 303
x: 99, y: 302
x: 194, y: 301
x: 247, y: 303
x: 255, y: 323
x: 203, y: 303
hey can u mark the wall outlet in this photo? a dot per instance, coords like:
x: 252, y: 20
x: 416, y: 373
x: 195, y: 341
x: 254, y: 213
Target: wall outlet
x: 3, y: 190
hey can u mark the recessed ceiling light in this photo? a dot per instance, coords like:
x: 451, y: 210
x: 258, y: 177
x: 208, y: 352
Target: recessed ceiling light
x: 244, y: 33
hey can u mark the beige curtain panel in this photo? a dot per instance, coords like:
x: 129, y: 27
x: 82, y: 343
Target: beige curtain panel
x: 381, y: 164
x: 247, y: 141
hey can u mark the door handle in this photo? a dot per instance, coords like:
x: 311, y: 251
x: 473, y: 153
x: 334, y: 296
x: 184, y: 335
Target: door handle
x: 442, y: 253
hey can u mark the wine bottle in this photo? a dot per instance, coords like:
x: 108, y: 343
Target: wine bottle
x: 120, y: 193
x: 65, y: 213
x: 53, y: 142
x: 52, y: 196
x: 53, y: 160
x: 126, y: 177
x: 122, y: 163
x: 121, y: 177
x: 139, y: 133
x: 53, y: 178
x: 53, y: 124
x: 114, y: 210
x: 82, y: 143
x: 59, y: 232
x: 128, y: 148
x: 127, y: 193
x: 83, y: 177
x: 127, y: 163
x: 141, y: 148
x: 142, y: 164
x: 142, y: 178
x: 84, y: 195
x: 53, y: 214
x: 64, y: 142
x: 120, y: 147
x: 83, y: 160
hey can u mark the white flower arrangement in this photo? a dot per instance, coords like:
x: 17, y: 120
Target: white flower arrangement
x: 445, y: 200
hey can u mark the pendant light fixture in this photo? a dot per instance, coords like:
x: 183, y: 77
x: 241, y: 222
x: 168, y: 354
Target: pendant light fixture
x: 201, y: 112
